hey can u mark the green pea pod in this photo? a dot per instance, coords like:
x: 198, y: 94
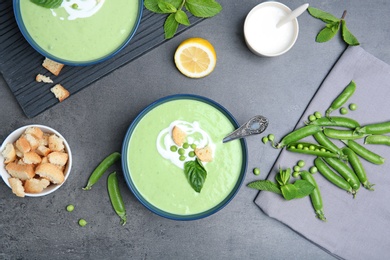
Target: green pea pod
x: 333, y: 177
x: 342, y: 134
x: 101, y: 169
x: 315, y: 195
x: 325, y: 142
x: 311, y: 149
x: 336, y: 121
x: 116, y: 197
x: 364, y: 152
x: 298, y: 134
x: 343, y: 169
x: 374, y: 129
x: 358, y: 168
x: 341, y: 98
x: 377, y: 139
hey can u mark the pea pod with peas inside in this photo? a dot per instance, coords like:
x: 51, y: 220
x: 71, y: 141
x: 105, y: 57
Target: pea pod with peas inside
x: 298, y: 134
x: 341, y: 98
x: 364, y: 152
x: 374, y: 129
x: 116, y: 197
x: 323, y: 140
x: 311, y: 149
x: 315, y: 195
x: 333, y: 177
x: 101, y: 169
x: 357, y: 167
x: 347, y: 173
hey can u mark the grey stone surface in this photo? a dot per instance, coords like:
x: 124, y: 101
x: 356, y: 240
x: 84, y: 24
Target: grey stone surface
x: 95, y: 120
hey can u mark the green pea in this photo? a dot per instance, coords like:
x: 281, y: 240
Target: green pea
x: 296, y: 168
x: 296, y: 174
x: 343, y: 111
x: 317, y: 114
x: 186, y: 145
x: 301, y: 163
x: 271, y: 137
x: 191, y: 154
x: 182, y: 158
x: 312, y: 147
x: 82, y: 222
x: 173, y: 148
x: 256, y: 171
x: 300, y: 146
x: 312, y: 118
x: 70, y: 208
x: 352, y: 106
x: 181, y: 151
x: 193, y: 146
x: 265, y: 139
x: 75, y: 6
x: 313, y: 169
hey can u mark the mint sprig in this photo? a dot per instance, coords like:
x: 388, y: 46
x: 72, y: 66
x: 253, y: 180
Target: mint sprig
x: 48, y: 3
x: 176, y: 14
x: 332, y: 27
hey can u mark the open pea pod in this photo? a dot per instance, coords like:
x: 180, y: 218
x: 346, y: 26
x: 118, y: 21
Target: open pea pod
x: 311, y: 149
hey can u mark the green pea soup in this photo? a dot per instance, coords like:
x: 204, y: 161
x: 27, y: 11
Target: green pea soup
x: 162, y: 184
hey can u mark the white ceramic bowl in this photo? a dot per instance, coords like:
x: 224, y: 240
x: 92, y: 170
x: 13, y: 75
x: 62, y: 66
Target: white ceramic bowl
x: 261, y: 34
x: 14, y: 136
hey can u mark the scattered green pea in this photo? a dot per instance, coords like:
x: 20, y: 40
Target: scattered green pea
x: 352, y: 106
x: 82, y: 222
x: 343, y: 111
x: 186, y: 145
x: 75, y: 6
x: 312, y: 118
x: 256, y: 171
x: 271, y: 137
x: 313, y: 169
x: 296, y: 174
x: 193, y: 146
x: 301, y: 163
x: 265, y: 139
x: 191, y: 154
x: 181, y: 151
x: 317, y: 114
x: 182, y: 158
x: 296, y: 168
x: 173, y: 148
x: 70, y: 208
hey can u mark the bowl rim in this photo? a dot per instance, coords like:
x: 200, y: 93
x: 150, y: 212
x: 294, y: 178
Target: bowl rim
x: 36, y: 47
x: 138, y: 195
x: 262, y: 5
x: 46, y: 129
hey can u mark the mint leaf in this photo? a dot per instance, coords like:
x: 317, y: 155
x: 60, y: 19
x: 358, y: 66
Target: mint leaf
x: 348, y: 37
x: 203, y: 8
x: 167, y: 8
x: 196, y: 174
x: 181, y: 17
x: 327, y: 33
x: 153, y: 5
x: 303, y: 188
x: 289, y: 191
x: 170, y: 26
x: 324, y: 16
x: 265, y: 185
x: 48, y: 3
x: 283, y: 176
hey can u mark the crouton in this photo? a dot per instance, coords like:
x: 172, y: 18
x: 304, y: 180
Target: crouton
x: 31, y: 158
x: 35, y: 131
x: 178, y: 136
x: 43, y: 78
x: 50, y: 172
x: 204, y: 154
x: 17, y: 187
x: 20, y: 171
x: 34, y: 142
x: 58, y: 158
x: 36, y: 185
x: 22, y: 145
x: 9, y: 153
x: 60, y: 92
x: 52, y: 66
x: 43, y: 150
x: 56, y: 143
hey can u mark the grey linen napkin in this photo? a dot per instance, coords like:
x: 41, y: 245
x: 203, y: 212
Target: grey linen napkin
x: 355, y: 228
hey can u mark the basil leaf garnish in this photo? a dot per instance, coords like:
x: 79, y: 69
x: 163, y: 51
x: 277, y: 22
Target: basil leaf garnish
x: 196, y: 174
x: 48, y: 3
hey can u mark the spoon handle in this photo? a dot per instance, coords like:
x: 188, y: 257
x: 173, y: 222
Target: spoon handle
x: 294, y: 14
x: 255, y: 125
